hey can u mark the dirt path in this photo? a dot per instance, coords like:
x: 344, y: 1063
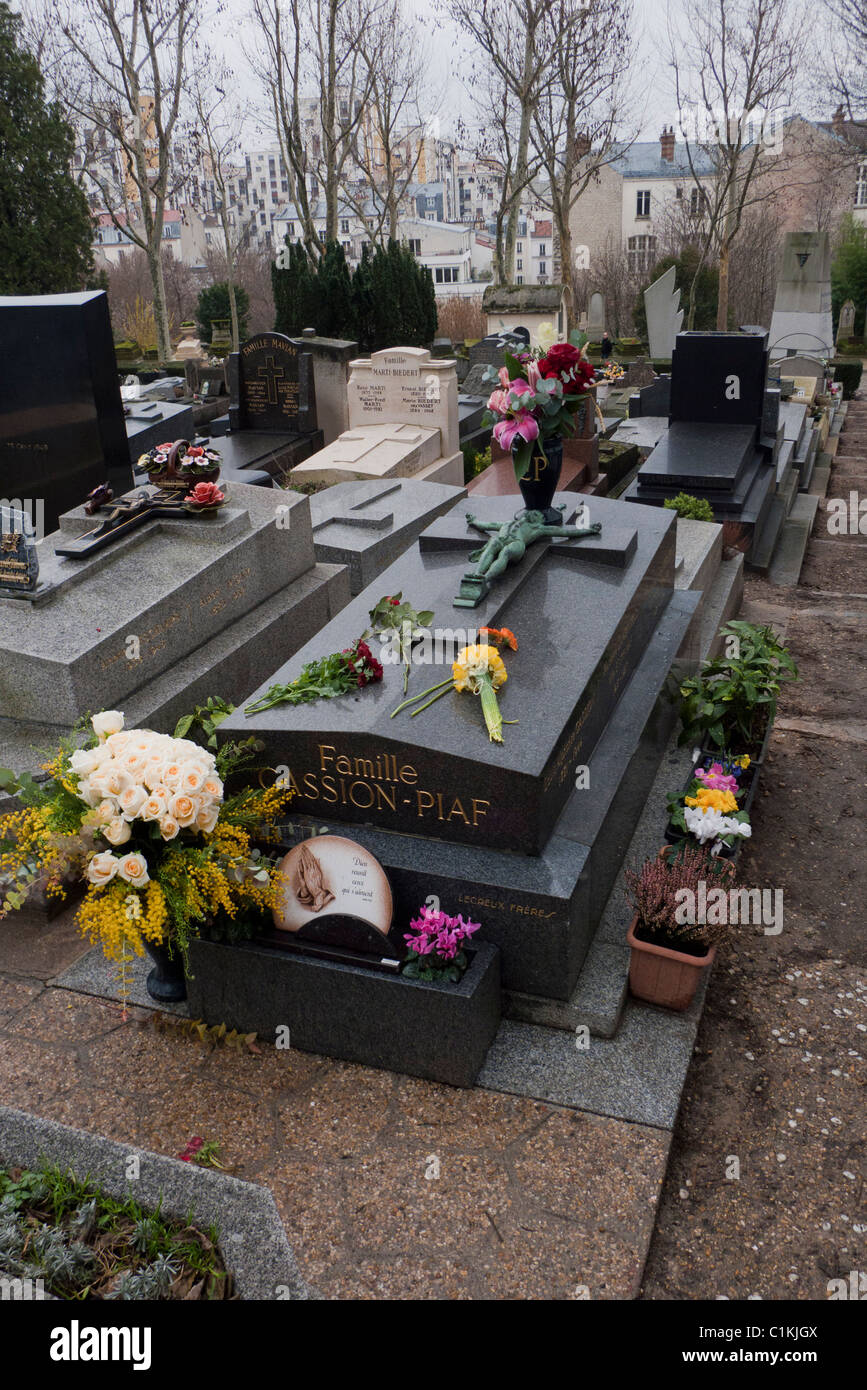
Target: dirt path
x: 777, y: 1080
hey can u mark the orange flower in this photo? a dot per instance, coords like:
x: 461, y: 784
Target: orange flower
x: 497, y: 635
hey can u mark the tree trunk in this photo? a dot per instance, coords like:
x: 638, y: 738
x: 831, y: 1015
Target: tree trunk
x: 508, y: 268
x: 567, y: 270
x: 722, y: 304
x: 161, y: 314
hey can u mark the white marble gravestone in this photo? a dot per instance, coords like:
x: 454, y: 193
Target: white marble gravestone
x: 403, y: 423
x: 802, y: 307
x: 664, y: 315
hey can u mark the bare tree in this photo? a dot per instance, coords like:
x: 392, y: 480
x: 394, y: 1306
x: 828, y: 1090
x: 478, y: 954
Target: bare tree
x: 317, y: 43
x: 735, y: 63
x: 120, y: 67
x: 514, y: 41
x: 619, y: 283
x: 217, y: 138
x: 844, y: 69
x: 580, y: 112
x: 388, y: 144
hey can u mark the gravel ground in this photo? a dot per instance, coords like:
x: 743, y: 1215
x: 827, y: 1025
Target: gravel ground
x: 766, y: 1190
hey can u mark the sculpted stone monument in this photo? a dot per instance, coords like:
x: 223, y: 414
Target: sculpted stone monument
x: 664, y: 316
x: 507, y: 545
x: 403, y: 414
x: 802, y: 309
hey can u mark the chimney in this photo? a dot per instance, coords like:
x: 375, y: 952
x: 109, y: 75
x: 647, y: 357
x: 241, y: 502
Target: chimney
x: 838, y: 120
x: 583, y: 145
x: 666, y: 144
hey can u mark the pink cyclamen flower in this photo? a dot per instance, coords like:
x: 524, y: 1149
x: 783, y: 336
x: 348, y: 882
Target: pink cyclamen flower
x: 715, y: 778
x: 523, y: 426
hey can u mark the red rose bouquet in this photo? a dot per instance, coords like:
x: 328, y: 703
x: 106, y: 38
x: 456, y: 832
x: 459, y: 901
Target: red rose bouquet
x: 537, y: 398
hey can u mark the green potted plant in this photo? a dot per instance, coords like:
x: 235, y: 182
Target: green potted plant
x: 668, y: 951
x: 689, y: 507
x: 733, y: 699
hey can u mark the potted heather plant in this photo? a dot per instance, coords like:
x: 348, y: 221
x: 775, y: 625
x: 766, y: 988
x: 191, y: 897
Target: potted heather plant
x: 669, y: 947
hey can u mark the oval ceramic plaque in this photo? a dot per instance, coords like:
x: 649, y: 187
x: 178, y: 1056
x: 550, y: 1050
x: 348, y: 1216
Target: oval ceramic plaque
x: 330, y: 877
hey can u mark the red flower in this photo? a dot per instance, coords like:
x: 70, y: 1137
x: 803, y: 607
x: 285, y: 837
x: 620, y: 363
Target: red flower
x: 195, y: 451
x: 205, y: 495
x: 566, y: 363
x: 395, y: 602
x: 191, y: 1150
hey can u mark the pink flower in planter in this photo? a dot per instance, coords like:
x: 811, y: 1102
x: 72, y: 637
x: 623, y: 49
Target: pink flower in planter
x: 523, y: 426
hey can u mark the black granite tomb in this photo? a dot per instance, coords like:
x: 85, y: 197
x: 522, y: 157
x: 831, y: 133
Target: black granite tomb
x: 62, y: 428
x: 502, y: 833
x: 723, y: 439
x: 271, y: 422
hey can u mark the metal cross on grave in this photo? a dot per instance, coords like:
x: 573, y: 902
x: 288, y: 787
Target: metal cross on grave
x: 272, y: 374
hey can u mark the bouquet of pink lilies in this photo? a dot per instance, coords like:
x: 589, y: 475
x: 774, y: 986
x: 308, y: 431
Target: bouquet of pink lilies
x: 539, y: 395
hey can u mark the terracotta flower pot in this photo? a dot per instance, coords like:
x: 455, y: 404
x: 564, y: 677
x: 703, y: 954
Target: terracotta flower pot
x: 661, y: 976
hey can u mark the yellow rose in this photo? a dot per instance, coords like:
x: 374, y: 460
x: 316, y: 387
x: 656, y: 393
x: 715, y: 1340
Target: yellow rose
x: 102, y: 867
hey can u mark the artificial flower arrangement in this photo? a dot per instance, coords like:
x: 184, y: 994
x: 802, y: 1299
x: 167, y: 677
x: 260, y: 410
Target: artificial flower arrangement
x: 436, y: 946
x: 479, y: 669
x: 179, y: 465
x: 709, y: 810
x: 144, y: 819
x: 540, y: 393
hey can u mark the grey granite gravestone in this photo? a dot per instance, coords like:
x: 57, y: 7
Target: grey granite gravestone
x: 367, y: 525
x: 505, y: 834
x: 177, y: 610
x: 596, y: 318
x: 846, y: 325
x: 62, y: 428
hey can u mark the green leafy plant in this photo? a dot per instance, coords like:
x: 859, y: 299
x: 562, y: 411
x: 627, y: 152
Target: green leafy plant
x: 689, y: 507
x: 734, y: 697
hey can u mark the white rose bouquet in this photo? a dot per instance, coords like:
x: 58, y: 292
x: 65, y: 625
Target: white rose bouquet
x: 160, y: 846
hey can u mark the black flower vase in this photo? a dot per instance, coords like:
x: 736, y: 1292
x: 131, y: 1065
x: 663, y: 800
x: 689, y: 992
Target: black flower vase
x: 166, y: 983
x: 539, y: 483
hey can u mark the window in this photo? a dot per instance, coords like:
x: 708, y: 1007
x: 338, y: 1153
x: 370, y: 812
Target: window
x: 415, y: 246
x: 446, y: 275
x: 541, y: 252
x: 678, y: 192
x: 271, y: 167
x: 519, y: 263
x: 697, y: 202
x: 284, y: 184
x: 347, y: 248
x: 344, y: 224
x: 262, y: 218
x: 642, y: 202
x: 861, y: 188
x: 543, y: 279
x: 520, y: 246
x: 641, y: 252
x: 290, y: 228
x: 542, y: 267
x: 519, y: 279
x: 430, y: 217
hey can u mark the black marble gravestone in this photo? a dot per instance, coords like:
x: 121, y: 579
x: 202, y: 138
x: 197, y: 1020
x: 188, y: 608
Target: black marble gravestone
x: 62, y: 427
x: 271, y: 422
x: 721, y: 443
